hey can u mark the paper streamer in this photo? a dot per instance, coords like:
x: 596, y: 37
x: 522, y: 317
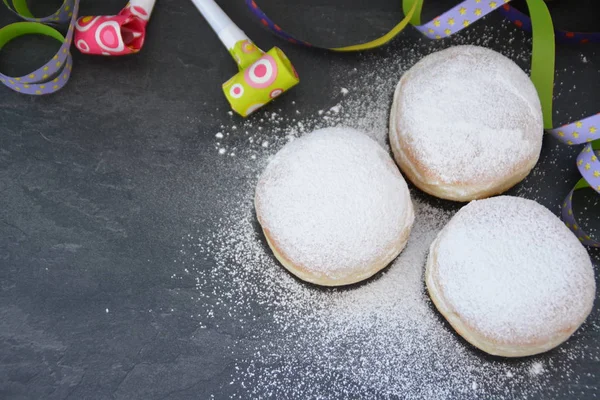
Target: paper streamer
x: 452, y: 21
x: 542, y: 73
x: 115, y: 35
x: 585, y: 131
x: 448, y: 23
x: 523, y: 21
x: 53, y: 75
x: 269, y: 24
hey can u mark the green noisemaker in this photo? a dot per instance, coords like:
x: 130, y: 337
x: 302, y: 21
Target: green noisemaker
x: 261, y: 77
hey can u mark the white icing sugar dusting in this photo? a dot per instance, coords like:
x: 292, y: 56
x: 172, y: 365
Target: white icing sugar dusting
x: 469, y: 113
x: 382, y: 339
x: 513, y: 271
x: 334, y: 201
x: 536, y: 368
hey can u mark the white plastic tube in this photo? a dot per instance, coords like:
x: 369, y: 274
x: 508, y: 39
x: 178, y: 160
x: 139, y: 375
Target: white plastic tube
x: 223, y: 26
x: 147, y: 5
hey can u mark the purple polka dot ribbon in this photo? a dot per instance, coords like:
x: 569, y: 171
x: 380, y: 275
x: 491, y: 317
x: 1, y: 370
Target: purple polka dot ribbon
x: 53, y: 75
x: 458, y: 17
x: 523, y: 21
x: 584, y: 131
x: 448, y: 23
x: 269, y: 24
x: 452, y: 21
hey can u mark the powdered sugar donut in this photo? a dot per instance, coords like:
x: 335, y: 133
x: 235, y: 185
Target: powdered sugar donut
x: 510, y: 277
x: 466, y: 123
x: 334, y: 207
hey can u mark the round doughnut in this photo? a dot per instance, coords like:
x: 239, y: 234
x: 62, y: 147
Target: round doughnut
x: 466, y: 123
x: 334, y: 207
x: 510, y: 277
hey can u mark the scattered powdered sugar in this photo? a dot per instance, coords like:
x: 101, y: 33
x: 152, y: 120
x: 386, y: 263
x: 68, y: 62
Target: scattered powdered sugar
x: 536, y: 368
x: 502, y: 279
x: 379, y: 339
x: 468, y: 114
x: 334, y: 204
x: 366, y: 106
x: 382, y: 338
x: 335, y: 109
x: 366, y: 109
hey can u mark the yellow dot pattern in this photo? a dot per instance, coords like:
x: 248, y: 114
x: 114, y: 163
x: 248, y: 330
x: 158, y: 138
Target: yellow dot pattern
x: 457, y: 18
x: 36, y: 82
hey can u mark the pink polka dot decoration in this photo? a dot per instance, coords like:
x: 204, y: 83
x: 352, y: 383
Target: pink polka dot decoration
x: 85, y: 23
x: 108, y: 37
x: 114, y: 35
x: 139, y: 11
x: 260, y: 82
x: 249, y: 47
x: 262, y: 73
x: 274, y: 93
x: 236, y: 91
x: 82, y: 46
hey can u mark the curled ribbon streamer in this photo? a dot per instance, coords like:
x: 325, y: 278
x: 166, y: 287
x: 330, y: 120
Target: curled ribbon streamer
x: 542, y: 56
x: 542, y: 73
x: 267, y: 22
x: 455, y: 19
x: 106, y: 35
x: 53, y: 75
x: 452, y: 21
x: 585, y: 131
x: 114, y: 35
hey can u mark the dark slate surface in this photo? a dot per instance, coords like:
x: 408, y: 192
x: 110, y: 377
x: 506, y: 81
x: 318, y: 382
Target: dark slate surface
x: 99, y: 182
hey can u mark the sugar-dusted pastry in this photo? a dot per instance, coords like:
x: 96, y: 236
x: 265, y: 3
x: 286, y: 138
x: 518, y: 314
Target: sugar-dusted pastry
x: 334, y: 207
x: 510, y: 277
x: 466, y: 123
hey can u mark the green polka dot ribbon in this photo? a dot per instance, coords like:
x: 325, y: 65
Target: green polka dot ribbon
x: 53, y: 75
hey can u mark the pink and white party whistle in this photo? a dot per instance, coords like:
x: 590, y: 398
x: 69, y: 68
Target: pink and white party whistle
x: 114, y: 35
x: 261, y: 77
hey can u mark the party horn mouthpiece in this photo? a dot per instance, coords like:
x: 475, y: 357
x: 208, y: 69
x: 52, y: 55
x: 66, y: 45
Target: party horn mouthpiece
x: 259, y: 83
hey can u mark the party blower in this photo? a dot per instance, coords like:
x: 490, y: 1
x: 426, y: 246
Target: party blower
x: 114, y: 35
x: 262, y: 76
